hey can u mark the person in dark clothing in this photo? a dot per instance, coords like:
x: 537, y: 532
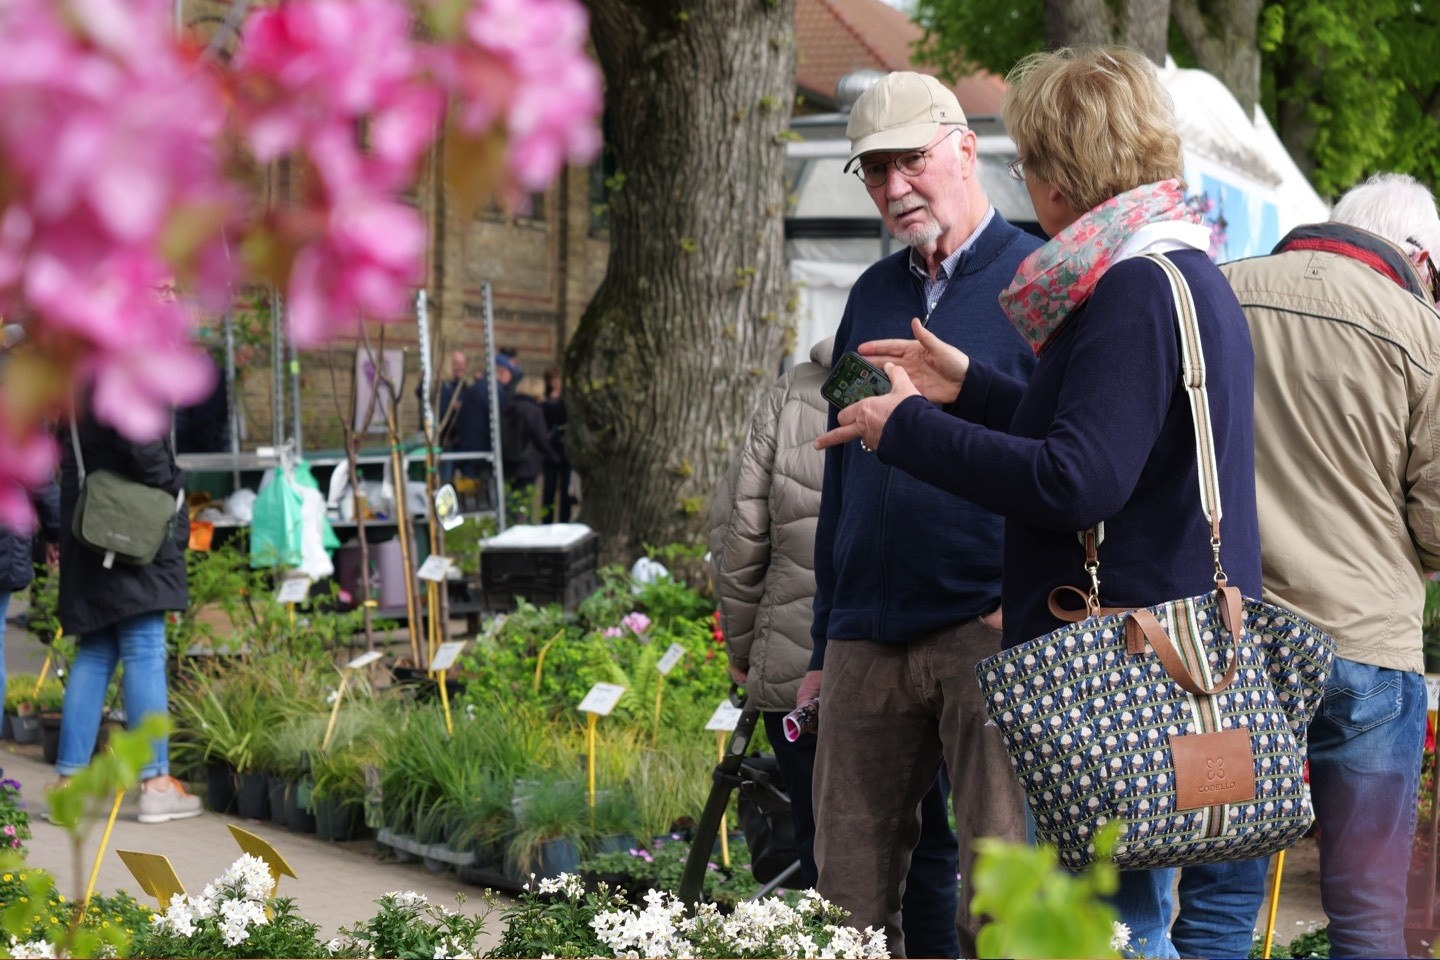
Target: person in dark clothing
x: 117, y: 614
x: 17, y: 560
x: 204, y: 427
x: 525, y: 441
x: 464, y: 417
x: 1101, y: 433
x: 907, y: 580
x: 555, y: 500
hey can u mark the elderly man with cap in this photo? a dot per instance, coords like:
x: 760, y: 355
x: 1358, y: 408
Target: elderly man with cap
x: 907, y: 577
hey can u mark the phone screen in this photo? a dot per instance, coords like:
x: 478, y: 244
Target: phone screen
x: 854, y: 378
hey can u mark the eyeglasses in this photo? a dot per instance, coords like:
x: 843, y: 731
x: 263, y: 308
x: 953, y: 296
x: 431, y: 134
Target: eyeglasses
x: 1017, y: 168
x: 1430, y: 269
x: 874, y: 173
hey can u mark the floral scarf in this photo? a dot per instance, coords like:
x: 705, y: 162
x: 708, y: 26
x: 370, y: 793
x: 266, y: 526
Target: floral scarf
x: 1061, y: 275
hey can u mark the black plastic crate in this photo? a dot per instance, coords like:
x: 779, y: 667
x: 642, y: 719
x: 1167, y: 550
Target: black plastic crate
x: 541, y: 574
x: 570, y: 596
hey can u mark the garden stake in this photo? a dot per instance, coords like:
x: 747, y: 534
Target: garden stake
x: 1274, y: 903
x: 724, y: 827
x: 335, y: 713
x: 445, y: 701
x: 100, y: 854
x: 659, y: 689
x: 44, y: 672
x: 592, y: 720
x: 540, y: 658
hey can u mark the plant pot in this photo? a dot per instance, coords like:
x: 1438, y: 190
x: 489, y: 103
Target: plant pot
x: 299, y: 818
x: 50, y: 736
x: 275, y: 791
x: 252, y: 798
x: 614, y: 843
x: 25, y: 729
x: 335, y: 819
x: 552, y: 858
x: 220, y: 787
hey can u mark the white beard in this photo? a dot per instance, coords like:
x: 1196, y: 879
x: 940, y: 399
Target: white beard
x: 920, y: 235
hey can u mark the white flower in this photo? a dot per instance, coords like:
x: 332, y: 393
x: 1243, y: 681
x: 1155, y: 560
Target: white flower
x: 32, y: 948
x: 407, y: 899
x: 250, y: 877
x: 1121, y: 936
x: 566, y: 884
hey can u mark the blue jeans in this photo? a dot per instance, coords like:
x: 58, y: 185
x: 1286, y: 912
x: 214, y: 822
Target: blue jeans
x: 1219, y: 904
x: 1145, y: 905
x: 139, y: 643
x: 1365, y: 746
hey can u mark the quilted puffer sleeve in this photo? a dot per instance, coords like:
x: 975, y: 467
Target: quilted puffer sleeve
x: 740, y: 529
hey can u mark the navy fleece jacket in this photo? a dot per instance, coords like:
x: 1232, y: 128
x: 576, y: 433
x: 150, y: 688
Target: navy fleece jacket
x: 895, y: 559
x: 1103, y: 432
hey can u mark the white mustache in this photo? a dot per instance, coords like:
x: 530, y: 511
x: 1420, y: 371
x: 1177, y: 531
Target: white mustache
x: 905, y: 204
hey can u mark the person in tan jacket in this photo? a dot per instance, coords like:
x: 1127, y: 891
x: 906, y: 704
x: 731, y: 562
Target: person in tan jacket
x: 1347, y: 455
x: 762, y: 545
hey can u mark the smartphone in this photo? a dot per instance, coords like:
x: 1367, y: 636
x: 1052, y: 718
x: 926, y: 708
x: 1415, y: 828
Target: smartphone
x: 853, y: 378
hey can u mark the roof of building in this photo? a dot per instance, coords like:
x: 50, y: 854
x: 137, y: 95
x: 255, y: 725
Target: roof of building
x: 835, y: 37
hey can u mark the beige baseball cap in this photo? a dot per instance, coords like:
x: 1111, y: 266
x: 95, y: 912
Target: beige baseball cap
x: 903, y: 111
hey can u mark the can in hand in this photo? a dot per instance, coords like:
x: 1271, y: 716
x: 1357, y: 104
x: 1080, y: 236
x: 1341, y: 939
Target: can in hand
x: 803, y: 719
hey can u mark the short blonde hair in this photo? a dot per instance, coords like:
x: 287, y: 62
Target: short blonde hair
x: 1093, y: 122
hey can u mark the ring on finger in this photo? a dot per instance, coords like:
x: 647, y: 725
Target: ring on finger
x: 865, y: 446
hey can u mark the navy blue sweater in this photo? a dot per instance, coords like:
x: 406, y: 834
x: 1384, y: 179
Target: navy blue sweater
x: 895, y: 559
x: 1103, y: 432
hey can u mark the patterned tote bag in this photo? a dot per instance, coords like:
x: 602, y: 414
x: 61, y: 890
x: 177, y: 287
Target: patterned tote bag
x: 1185, y: 721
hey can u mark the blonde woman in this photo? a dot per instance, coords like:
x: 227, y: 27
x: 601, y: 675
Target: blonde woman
x: 1102, y: 431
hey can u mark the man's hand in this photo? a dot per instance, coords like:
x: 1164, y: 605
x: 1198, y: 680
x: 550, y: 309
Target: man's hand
x: 865, y: 419
x: 809, y: 687
x: 994, y: 619
x: 936, y: 368
x: 738, y: 675
x: 52, y: 556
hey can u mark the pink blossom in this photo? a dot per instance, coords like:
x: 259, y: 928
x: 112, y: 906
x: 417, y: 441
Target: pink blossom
x: 635, y: 621
x: 614, y: 632
x: 522, y: 63
x: 26, y: 461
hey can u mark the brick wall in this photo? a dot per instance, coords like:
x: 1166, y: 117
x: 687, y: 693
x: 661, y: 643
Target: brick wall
x: 542, y: 268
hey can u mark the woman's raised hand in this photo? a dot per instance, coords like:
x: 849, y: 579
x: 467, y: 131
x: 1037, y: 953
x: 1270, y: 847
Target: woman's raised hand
x: 935, y: 367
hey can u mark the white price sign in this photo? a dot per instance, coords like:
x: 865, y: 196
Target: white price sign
x: 364, y: 660
x: 672, y: 657
x: 1432, y: 692
x: 434, y: 568
x: 726, y: 717
x: 601, y: 699
x: 293, y: 590
x: 446, y: 655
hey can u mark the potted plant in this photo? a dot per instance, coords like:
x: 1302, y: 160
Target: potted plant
x: 552, y: 817
x: 22, y: 704
x: 49, y: 702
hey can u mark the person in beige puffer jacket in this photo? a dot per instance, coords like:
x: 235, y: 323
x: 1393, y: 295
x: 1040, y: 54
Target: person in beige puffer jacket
x: 762, y: 546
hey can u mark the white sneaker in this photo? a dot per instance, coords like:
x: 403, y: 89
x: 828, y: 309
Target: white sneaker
x: 167, y: 799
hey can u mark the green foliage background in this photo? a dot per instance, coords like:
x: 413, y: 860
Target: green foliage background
x: 1364, y: 73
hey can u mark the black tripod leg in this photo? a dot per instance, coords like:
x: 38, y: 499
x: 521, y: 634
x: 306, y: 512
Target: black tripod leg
x: 692, y: 881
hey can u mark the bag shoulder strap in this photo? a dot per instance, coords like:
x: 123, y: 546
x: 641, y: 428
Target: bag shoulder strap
x: 1192, y: 371
x: 75, y: 443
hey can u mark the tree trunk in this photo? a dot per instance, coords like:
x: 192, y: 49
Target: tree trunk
x: 687, y: 328
x: 1141, y: 24
x: 1223, y: 36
